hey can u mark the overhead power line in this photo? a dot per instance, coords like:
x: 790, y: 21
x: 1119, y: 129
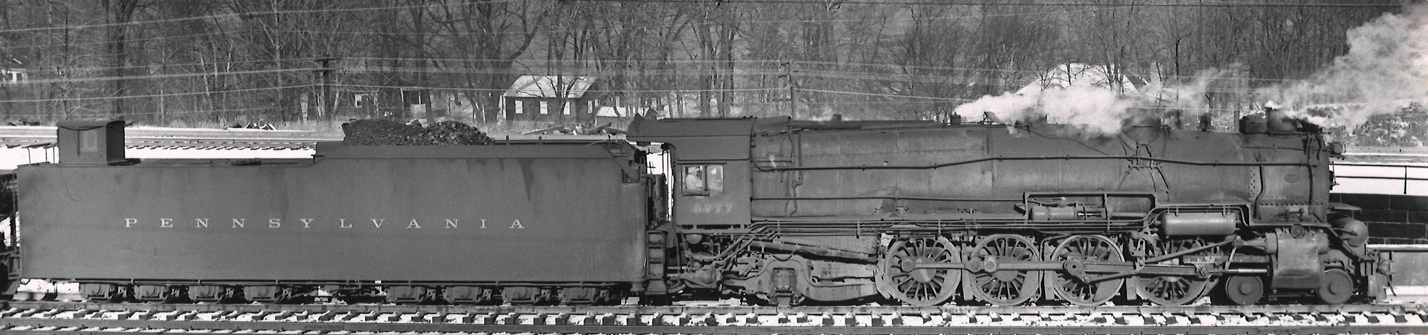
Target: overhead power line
x: 465, y: 89
x: 159, y: 76
x: 239, y: 32
x: 180, y: 111
x: 1027, y: 4
x: 229, y: 15
x: 111, y: 97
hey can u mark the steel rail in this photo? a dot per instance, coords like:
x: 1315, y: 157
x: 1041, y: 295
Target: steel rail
x: 673, y: 329
x: 991, y: 320
x: 101, y: 318
x: 760, y: 310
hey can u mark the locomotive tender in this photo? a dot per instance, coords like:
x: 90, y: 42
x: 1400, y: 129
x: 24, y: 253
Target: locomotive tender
x: 770, y: 210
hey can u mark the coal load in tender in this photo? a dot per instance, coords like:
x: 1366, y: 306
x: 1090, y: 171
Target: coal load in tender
x: 380, y: 132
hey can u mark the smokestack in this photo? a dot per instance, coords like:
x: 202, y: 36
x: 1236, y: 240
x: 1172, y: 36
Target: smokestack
x: 1277, y: 122
x: 1252, y: 124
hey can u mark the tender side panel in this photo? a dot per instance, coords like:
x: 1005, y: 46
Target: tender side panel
x: 512, y: 220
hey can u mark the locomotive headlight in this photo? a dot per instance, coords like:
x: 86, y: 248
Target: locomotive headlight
x: 1353, y: 232
x: 1336, y: 149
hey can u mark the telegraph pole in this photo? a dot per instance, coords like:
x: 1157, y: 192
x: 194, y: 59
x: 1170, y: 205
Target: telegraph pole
x: 788, y: 74
x: 327, y: 108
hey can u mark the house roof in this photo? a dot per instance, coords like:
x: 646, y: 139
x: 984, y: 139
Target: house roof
x: 549, y: 86
x: 11, y: 64
x: 1071, y: 74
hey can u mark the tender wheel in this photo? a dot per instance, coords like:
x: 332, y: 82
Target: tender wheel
x: 1005, y: 287
x: 1083, y: 249
x: 1336, y: 288
x: 1241, y: 290
x: 1172, y: 290
x: 900, y: 279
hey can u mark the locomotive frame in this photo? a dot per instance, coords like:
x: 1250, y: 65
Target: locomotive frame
x: 844, y: 238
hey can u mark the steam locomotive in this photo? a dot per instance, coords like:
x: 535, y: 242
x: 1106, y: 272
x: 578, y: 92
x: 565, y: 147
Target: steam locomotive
x: 769, y: 210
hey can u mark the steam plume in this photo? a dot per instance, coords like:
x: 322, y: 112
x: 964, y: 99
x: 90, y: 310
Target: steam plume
x: 1082, y: 96
x: 1385, y: 69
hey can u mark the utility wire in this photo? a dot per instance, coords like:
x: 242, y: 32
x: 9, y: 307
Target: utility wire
x: 444, y: 89
x: 156, y: 38
x: 204, y: 66
x: 768, y: 70
x: 111, y: 97
x: 590, y: 91
x: 160, y: 76
x: 637, y: 27
x: 883, y: 95
x: 1027, y: 4
x: 232, y: 15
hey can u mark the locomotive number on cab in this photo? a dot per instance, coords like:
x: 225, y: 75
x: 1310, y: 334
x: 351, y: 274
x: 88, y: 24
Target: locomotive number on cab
x: 714, y: 208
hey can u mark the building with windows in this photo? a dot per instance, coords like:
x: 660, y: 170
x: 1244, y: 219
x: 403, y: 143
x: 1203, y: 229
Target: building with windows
x: 12, y: 71
x: 564, y: 99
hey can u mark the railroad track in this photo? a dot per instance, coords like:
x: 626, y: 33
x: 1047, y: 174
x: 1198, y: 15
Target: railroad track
x: 103, y: 318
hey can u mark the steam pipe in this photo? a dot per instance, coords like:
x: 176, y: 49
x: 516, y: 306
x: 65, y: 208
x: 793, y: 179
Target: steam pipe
x: 812, y: 250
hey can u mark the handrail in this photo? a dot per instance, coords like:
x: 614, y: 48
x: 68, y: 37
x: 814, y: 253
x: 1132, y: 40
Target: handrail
x: 1405, y: 177
x: 1399, y: 247
x: 1381, y: 165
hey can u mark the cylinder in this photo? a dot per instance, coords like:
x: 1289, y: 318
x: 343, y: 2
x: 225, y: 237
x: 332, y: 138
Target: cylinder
x: 1199, y: 224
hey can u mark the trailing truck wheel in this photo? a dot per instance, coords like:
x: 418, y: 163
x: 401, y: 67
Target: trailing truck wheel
x: 1082, y: 249
x: 1240, y: 290
x: 1003, y: 287
x: 900, y: 279
x: 1336, y: 288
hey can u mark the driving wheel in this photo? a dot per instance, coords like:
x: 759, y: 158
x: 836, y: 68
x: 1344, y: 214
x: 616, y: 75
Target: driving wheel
x: 1172, y: 290
x: 1005, y: 287
x: 1079, y: 250
x: 901, y: 279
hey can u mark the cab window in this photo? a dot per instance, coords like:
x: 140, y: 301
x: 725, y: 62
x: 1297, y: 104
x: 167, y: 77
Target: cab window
x: 707, y: 179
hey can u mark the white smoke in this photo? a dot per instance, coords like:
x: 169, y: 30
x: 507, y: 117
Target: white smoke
x: 1385, y: 69
x: 1008, y: 107
x: 1085, y: 100
x: 1189, y: 96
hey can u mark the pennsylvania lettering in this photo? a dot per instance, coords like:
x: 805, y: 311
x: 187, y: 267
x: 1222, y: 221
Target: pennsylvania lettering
x: 309, y: 223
